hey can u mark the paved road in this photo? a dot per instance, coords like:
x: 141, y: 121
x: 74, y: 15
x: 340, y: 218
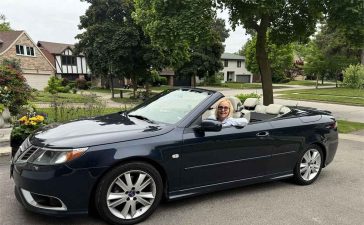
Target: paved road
x: 337, y: 197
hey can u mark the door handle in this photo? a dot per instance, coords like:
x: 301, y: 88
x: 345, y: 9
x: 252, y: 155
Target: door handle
x: 263, y: 134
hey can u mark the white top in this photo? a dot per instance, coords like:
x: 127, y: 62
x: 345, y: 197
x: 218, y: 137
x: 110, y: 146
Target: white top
x: 231, y: 121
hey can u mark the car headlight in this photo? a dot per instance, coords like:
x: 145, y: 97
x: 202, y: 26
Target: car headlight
x: 46, y: 156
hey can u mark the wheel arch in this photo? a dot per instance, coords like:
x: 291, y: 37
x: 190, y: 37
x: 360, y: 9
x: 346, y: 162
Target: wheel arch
x: 152, y: 162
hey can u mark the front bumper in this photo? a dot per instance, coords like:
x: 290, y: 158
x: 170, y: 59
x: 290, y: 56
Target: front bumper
x: 54, y: 190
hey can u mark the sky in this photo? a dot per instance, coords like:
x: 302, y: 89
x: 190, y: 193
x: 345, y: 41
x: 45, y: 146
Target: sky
x: 58, y: 20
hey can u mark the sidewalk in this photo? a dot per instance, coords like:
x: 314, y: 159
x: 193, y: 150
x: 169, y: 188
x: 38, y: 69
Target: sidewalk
x: 5, y: 148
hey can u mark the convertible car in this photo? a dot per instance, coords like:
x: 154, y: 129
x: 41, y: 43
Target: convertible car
x: 123, y: 164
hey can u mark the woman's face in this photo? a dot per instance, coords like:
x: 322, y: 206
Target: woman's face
x: 223, y: 110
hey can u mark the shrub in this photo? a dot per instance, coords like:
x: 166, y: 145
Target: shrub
x: 55, y: 85
x: 243, y: 97
x: 354, y: 76
x: 81, y: 83
x: 14, y: 91
x: 163, y: 80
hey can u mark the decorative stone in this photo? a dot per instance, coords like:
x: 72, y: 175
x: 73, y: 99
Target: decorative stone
x: 6, y: 114
x: 2, y: 122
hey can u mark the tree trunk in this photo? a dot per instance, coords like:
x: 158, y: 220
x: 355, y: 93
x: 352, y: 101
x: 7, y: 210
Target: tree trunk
x: 135, y: 85
x: 317, y: 79
x: 193, y: 80
x: 362, y: 56
x: 111, y: 86
x: 264, y: 65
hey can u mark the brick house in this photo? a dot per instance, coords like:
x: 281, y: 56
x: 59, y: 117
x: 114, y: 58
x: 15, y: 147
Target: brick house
x: 37, y: 69
x: 66, y: 63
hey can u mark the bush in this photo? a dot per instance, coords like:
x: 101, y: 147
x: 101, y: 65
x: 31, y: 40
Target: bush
x: 14, y: 91
x: 55, y: 85
x: 243, y: 97
x: 163, y: 80
x: 81, y: 83
x: 354, y: 76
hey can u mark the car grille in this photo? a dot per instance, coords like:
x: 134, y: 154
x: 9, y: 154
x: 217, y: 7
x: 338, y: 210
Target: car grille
x: 25, y: 155
x: 29, y: 152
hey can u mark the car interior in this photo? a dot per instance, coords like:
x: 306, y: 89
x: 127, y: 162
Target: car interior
x: 252, y: 110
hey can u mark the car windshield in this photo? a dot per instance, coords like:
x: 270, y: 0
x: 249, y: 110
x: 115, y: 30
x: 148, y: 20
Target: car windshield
x: 171, y: 106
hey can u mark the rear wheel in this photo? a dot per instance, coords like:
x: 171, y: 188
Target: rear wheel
x: 129, y: 193
x: 309, y: 165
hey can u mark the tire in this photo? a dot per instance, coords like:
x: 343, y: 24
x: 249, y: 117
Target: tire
x: 309, y: 165
x: 129, y: 193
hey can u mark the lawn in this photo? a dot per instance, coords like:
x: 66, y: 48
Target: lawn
x: 237, y: 85
x: 345, y: 96
x: 348, y: 127
x: 108, y: 91
x: 309, y: 83
x: 72, y: 113
x: 41, y: 96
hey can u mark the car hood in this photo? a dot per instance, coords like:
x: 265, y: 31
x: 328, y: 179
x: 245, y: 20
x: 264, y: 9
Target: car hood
x: 106, y: 129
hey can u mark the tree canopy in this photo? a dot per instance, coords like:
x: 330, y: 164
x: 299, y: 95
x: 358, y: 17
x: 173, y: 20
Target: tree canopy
x: 176, y: 26
x: 287, y: 21
x: 280, y: 58
x: 4, y: 26
x: 113, y: 43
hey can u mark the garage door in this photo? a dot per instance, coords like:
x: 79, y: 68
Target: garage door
x: 37, y: 81
x: 243, y: 78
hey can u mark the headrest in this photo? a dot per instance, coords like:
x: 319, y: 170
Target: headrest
x: 274, y: 108
x: 260, y: 108
x: 235, y: 102
x: 251, y: 102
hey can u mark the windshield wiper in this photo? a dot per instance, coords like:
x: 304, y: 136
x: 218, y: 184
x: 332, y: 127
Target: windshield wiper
x: 142, y: 118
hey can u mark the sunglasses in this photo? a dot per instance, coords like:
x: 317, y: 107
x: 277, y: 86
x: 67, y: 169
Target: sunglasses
x: 223, y: 108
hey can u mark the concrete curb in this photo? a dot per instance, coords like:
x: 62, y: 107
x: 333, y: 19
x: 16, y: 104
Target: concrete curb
x: 351, y: 137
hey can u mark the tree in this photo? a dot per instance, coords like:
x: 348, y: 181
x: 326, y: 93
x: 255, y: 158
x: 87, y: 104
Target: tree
x: 205, y: 58
x: 328, y: 53
x: 4, y: 26
x: 113, y: 43
x: 287, y: 21
x: 347, y: 16
x: 176, y: 26
x: 280, y: 58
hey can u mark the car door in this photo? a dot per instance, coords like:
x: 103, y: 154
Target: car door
x: 231, y: 154
x: 288, y: 138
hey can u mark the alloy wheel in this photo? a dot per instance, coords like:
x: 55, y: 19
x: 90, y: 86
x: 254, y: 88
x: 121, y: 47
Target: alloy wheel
x: 310, y: 164
x: 131, y: 194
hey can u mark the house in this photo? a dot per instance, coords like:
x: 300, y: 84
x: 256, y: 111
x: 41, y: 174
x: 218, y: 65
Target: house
x: 234, y: 68
x: 36, y: 67
x: 66, y: 63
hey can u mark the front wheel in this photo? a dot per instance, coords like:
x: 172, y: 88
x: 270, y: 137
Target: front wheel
x: 309, y: 165
x: 129, y: 193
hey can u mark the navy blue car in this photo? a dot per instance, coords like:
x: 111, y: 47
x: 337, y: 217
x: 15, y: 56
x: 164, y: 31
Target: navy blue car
x: 124, y: 163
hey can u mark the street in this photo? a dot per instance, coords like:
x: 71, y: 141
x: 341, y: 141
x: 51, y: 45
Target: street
x: 337, y: 197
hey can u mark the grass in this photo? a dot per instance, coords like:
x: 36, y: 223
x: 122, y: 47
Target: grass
x: 345, y: 127
x: 41, y: 96
x: 308, y: 83
x: 108, y: 91
x: 345, y: 96
x: 127, y: 100
x: 160, y: 88
x: 237, y: 85
x: 67, y: 114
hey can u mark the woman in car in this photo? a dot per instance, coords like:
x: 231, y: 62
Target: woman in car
x: 224, y: 112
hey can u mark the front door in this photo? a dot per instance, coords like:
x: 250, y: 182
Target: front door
x: 231, y: 154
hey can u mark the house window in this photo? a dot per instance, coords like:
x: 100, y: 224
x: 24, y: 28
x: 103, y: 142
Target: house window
x: 238, y: 63
x: 226, y: 63
x: 24, y: 50
x: 68, y: 60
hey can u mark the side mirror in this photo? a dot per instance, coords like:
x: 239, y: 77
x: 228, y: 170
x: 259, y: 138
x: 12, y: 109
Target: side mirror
x: 211, y: 125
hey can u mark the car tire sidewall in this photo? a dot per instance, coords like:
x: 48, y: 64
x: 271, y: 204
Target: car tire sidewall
x: 104, y: 184
x: 297, y: 175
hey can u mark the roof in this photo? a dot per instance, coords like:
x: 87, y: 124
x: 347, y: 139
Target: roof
x: 54, y: 48
x: 8, y: 38
x: 232, y: 56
